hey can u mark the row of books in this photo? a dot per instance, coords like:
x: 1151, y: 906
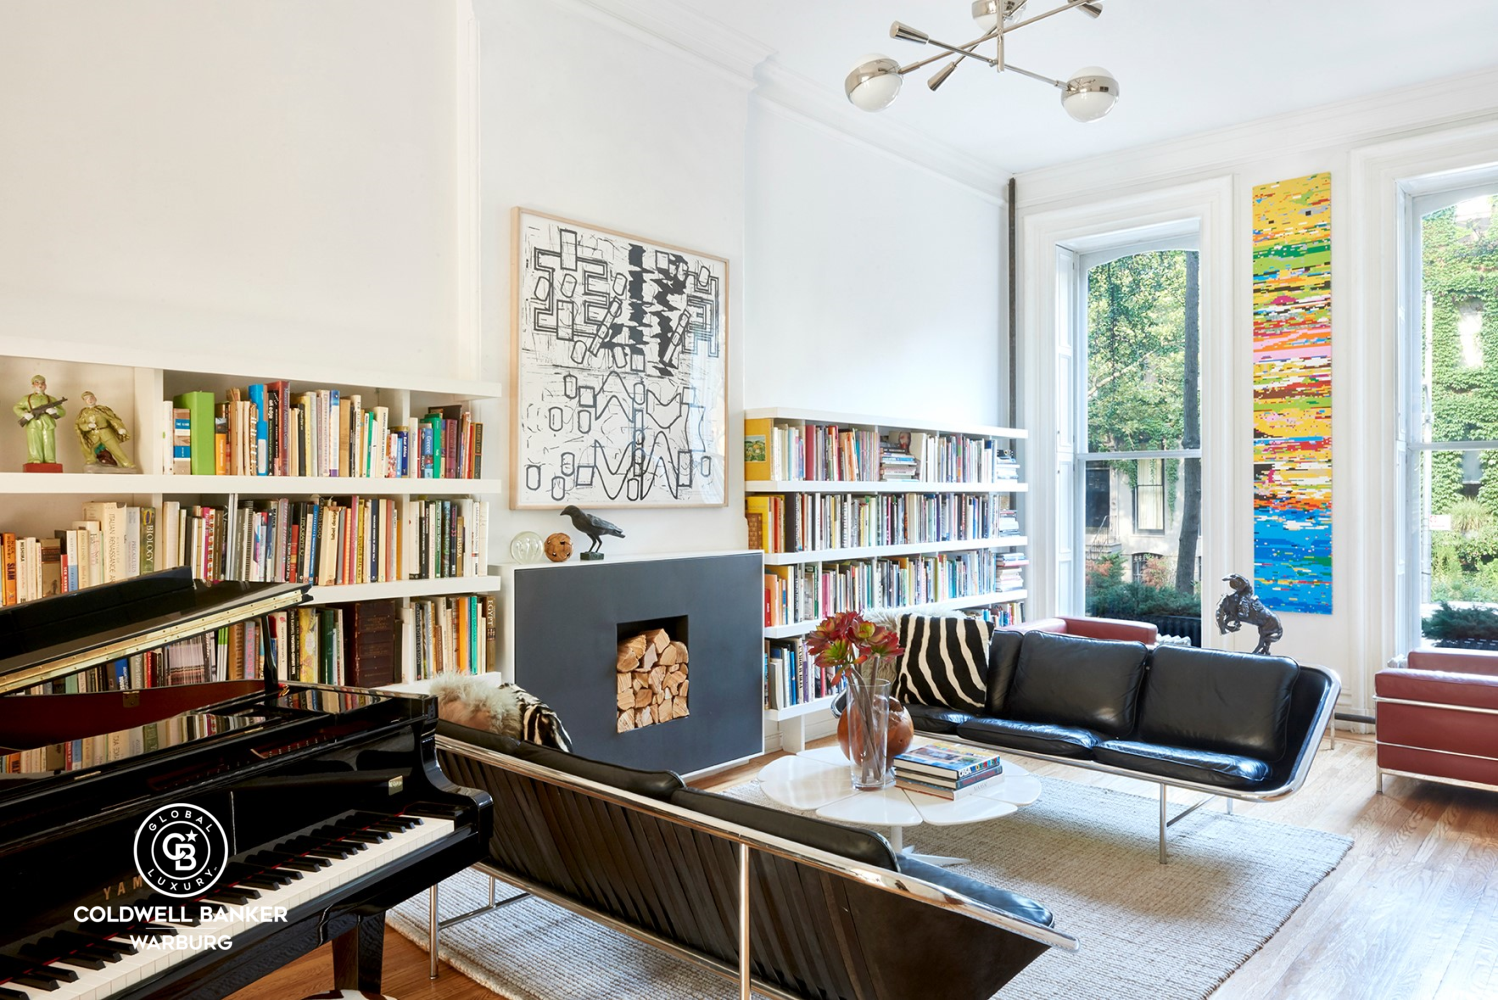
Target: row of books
x: 357, y: 644
x: 456, y: 634
x: 92, y: 751
x: 810, y: 592
x: 798, y: 522
x: 267, y: 430
x: 326, y: 542
x: 791, y: 675
x: 1002, y: 615
x: 345, y: 541
x: 946, y: 770
x: 829, y: 453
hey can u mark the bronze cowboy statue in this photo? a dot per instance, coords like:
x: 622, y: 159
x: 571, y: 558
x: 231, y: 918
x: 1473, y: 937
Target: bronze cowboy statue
x: 1240, y: 607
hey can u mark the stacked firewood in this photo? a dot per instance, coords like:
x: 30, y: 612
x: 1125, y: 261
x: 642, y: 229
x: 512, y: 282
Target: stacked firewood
x: 652, y: 676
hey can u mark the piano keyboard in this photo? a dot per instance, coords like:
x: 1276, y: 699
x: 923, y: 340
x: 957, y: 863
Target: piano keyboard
x: 82, y: 966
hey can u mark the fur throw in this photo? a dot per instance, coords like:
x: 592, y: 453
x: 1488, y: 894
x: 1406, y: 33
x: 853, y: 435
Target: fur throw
x: 469, y: 700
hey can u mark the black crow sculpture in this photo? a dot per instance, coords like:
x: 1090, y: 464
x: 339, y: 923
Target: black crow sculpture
x: 594, y: 527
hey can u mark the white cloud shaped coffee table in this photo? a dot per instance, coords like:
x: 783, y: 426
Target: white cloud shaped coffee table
x: 818, y: 781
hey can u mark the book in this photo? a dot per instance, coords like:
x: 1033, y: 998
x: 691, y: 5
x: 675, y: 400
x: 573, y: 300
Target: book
x: 199, y: 409
x: 757, y: 463
x: 757, y: 513
x: 370, y: 639
x: 966, y: 787
x: 947, y: 761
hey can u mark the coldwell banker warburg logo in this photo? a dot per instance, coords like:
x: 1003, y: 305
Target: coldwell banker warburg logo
x: 181, y: 850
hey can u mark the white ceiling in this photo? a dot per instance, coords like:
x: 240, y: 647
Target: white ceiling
x: 1183, y: 66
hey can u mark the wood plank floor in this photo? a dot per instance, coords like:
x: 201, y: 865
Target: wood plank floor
x: 1411, y: 913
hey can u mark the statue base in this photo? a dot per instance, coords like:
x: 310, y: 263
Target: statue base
x: 116, y: 470
x: 590, y: 556
x: 42, y: 467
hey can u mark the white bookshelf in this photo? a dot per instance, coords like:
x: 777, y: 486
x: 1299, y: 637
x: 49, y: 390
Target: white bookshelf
x: 913, y: 548
x: 794, y: 720
x: 861, y: 487
x: 947, y: 604
x: 122, y: 484
x: 438, y: 587
x: 136, y: 383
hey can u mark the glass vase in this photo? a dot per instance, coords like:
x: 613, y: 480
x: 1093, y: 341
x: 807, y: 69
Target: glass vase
x: 868, y: 731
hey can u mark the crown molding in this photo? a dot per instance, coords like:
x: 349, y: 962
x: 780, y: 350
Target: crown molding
x: 1434, y: 105
x: 811, y: 102
x: 672, y: 26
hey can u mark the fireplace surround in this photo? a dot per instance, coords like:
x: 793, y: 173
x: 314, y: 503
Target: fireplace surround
x: 570, y: 619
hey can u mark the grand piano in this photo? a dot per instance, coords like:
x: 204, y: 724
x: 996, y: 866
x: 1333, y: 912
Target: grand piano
x: 324, y: 805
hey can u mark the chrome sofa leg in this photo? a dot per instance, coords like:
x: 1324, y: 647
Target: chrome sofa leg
x: 433, y: 932
x: 1163, y: 823
x: 1378, y: 777
x: 745, y: 984
x: 1229, y: 804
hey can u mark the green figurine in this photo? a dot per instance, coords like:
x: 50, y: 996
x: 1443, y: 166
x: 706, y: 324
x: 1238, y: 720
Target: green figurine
x: 100, y: 432
x: 39, y: 413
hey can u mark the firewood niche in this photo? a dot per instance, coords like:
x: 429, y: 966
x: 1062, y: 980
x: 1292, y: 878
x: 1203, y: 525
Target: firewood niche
x: 651, y: 673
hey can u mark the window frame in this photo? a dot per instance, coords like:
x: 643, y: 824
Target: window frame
x: 1421, y: 198
x: 1184, y: 236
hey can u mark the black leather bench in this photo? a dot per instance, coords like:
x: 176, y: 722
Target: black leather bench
x: 1235, y: 725
x: 830, y: 911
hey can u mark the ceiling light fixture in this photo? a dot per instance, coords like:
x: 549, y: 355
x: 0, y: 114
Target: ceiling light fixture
x: 1087, y: 95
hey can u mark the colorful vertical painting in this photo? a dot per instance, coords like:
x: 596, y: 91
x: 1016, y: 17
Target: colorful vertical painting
x: 1293, y: 394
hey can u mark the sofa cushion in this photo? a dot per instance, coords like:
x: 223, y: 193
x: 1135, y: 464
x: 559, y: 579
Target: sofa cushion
x: 945, y: 661
x: 845, y: 841
x: 1003, y: 655
x: 935, y: 719
x: 654, y: 784
x: 1210, y: 699
x: 1066, y: 680
x: 1224, y: 770
x: 1036, y: 737
x: 1011, y: 903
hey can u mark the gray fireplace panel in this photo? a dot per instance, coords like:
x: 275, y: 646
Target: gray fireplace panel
x: 566, y: 630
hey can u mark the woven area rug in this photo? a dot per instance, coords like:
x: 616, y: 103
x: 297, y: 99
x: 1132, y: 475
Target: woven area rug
x: 1147, y: 930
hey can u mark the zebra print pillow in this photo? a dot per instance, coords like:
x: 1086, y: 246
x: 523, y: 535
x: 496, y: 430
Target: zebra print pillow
x: 945, y: 662
x: 539, y: 724
x: 506, y: 709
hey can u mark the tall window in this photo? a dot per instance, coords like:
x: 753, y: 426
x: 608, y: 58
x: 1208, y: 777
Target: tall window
x: 1140, y: 430
x: 1453, y: 432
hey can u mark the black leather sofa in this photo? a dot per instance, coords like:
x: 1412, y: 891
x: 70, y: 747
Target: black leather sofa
x: 1236, y: 725
x: 832, y: 912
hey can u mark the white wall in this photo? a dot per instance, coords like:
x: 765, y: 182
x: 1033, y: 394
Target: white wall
x: 249, y: 179
x: 875, y: 285
x: 1359, y: 636
x: 583, y: 119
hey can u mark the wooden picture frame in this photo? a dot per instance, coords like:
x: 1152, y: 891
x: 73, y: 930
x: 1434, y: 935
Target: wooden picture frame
x: 618, y: 369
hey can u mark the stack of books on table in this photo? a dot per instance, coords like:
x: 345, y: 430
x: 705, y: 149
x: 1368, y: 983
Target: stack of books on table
x: 946, y: 770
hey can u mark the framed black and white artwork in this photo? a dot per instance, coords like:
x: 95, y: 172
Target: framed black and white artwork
x: 618, y: 369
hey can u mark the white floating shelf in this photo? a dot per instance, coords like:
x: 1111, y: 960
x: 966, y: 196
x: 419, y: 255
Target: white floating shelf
x: 890, y: 551
x: 789, y: 414
x: 121, y: 484
x: 805, y: 708
x: 950, y: 604
x: 903, y: 486
x: 406, y: 588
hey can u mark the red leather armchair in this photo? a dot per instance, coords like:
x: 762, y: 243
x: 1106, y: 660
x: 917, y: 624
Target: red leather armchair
x: 1094, y: 628
x: 1437, y: 717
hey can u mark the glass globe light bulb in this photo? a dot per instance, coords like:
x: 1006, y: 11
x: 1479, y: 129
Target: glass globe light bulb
x: 1090, y: 93
x: 874, y: 82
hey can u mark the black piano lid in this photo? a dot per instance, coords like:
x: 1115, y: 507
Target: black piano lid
x: 57, y: 636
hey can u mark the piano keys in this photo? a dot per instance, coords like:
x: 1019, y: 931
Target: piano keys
x: 329, y: 800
